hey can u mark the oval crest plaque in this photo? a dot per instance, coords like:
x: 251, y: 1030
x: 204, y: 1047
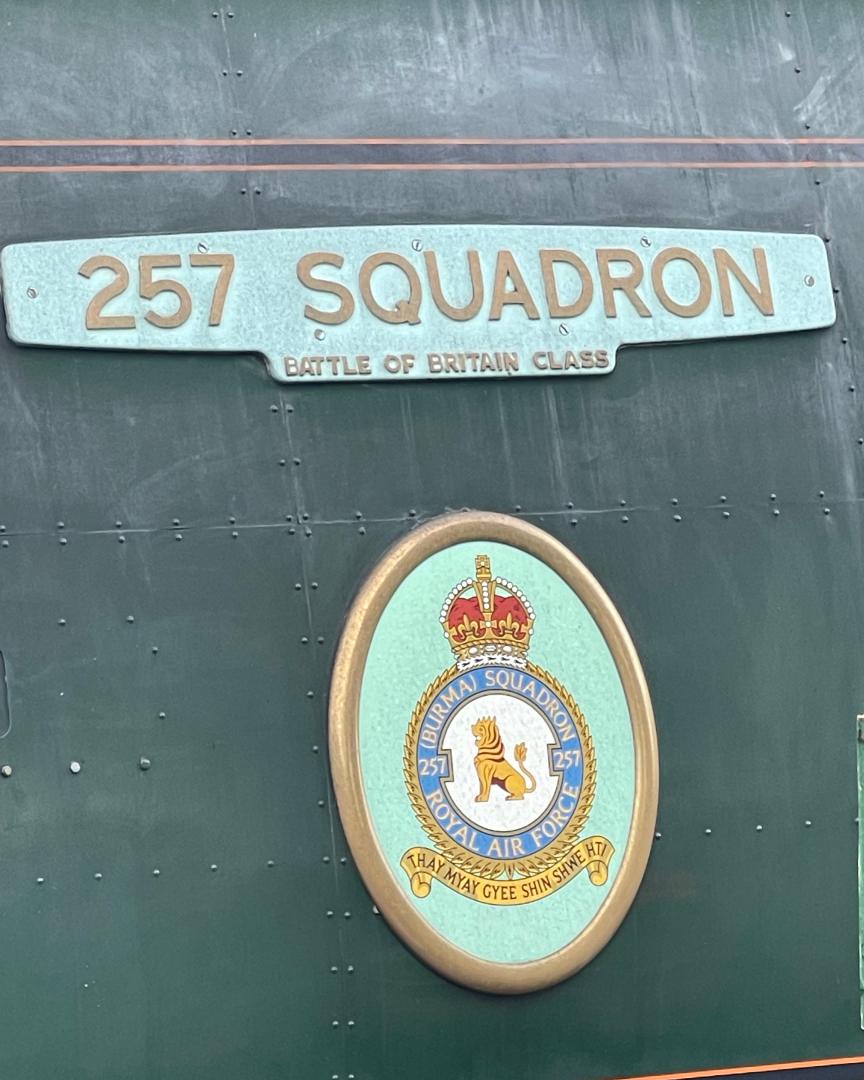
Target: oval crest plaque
x: 493, y: 752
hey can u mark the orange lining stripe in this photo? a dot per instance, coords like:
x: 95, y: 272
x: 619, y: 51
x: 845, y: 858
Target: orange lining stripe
x: 743, y: 1069
x: 429, y: 166
x: 575, y: 140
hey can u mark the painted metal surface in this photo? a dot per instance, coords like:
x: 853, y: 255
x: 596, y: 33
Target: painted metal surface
x: 414, y: 302
x: 741, y: 946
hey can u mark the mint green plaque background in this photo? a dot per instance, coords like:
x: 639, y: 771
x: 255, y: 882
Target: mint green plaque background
x: 407, y: 652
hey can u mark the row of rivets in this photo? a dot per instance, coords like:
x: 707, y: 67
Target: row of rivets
x: 759, y: 828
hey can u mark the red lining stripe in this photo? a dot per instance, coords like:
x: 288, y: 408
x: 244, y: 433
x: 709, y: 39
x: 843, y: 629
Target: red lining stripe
x: 575, y: 140
x: 428, y: 166
x: 741, y: 1070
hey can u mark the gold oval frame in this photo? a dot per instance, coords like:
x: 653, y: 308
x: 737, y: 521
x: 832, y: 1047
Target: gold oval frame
x: 344, y: 715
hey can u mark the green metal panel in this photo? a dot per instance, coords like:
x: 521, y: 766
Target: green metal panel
x: 714, y: 488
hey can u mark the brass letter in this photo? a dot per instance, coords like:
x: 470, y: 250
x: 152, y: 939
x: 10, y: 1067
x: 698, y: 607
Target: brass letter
x: 686, y: 311
x: 307, y: 278
x: 626, y: 284
x: 405, y: 311
x: 557, y: 310
x: 507, y: 269
x: 760, y: 295
x: 470, y: 310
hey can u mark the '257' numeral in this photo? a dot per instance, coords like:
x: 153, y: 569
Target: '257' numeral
x: 148, y: 287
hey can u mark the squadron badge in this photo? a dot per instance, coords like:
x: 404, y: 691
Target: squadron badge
x: 499, y: 763
x: 503, y: 821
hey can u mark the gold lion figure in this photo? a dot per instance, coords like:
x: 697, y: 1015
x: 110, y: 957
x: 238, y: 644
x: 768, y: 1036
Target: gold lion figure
x: 493, y: 768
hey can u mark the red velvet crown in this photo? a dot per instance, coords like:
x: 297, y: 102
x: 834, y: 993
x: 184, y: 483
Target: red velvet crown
x: 487, y: 616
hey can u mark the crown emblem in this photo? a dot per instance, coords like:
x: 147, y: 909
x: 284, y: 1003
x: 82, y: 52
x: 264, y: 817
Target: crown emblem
x: 487, y: 618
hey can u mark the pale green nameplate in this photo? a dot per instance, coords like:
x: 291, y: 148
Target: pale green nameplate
x: 415, y: 301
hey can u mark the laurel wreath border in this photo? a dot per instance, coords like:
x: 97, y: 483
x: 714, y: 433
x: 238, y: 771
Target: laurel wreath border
x: 461, y: 857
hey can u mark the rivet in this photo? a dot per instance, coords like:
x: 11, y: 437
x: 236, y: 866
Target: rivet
x: 97, y: 876
x: 156, y: 873
x: 6, y: 771
x: 291, y: 530
x: 282, y: 461
x: 625, y: 519
x: 347, y: 914
x: 758, y: 828
x: 40, y: 880
x: 517, y: 508
x: 776, y: 512
x: 343, y: 861
x: 574, y: 521
x: 330, y: 914
x: 239, y: 73
x: 826, y: 510
x: 61, y: 622
x: 412, y: 513
x: 120, y: 539
x: 320, y: 640
x: 232, y: 521
x: 178, y: 536
x: 213, y: 867
x: 723, y: 498
x: 807, y: 824
x: 296, y: 461
x: 75, y: 767
x: 274, y: 408
x: 242, y: 190
x: 303, y: 517
x: 4, y: 543
x: 334, y: 969
x: 161, y: 715
x: 375, y: 910
x: 335, y: 1023
x: 154, y: 649
x: 674, y: 502
x: 257, y: 190
x: 845, y: 340
x: 350, y: 969
x: 234, y: 535
x: 358, y: 514
x: 144, y: 764
x: 321, y: 802
x: 860, y: 441
x: 314, y: 749
x: 130, y: 618
x: 797, y: 70
x: 314, y: 584
x: 851, y: 389
x: 350, y: 1023
x: 270, y: 862
x: 726, y: 514
x: 310, y: 693
x: 676, y: 517
x: 175, y: 522
x: 707, y: 832
x: 325, y: 859
x: 658, y: 835
x: 362, y: 531
x: 821, y: 494
x: 772, y: 497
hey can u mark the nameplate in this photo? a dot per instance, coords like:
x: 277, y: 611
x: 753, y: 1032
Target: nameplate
x: 415, y: 301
